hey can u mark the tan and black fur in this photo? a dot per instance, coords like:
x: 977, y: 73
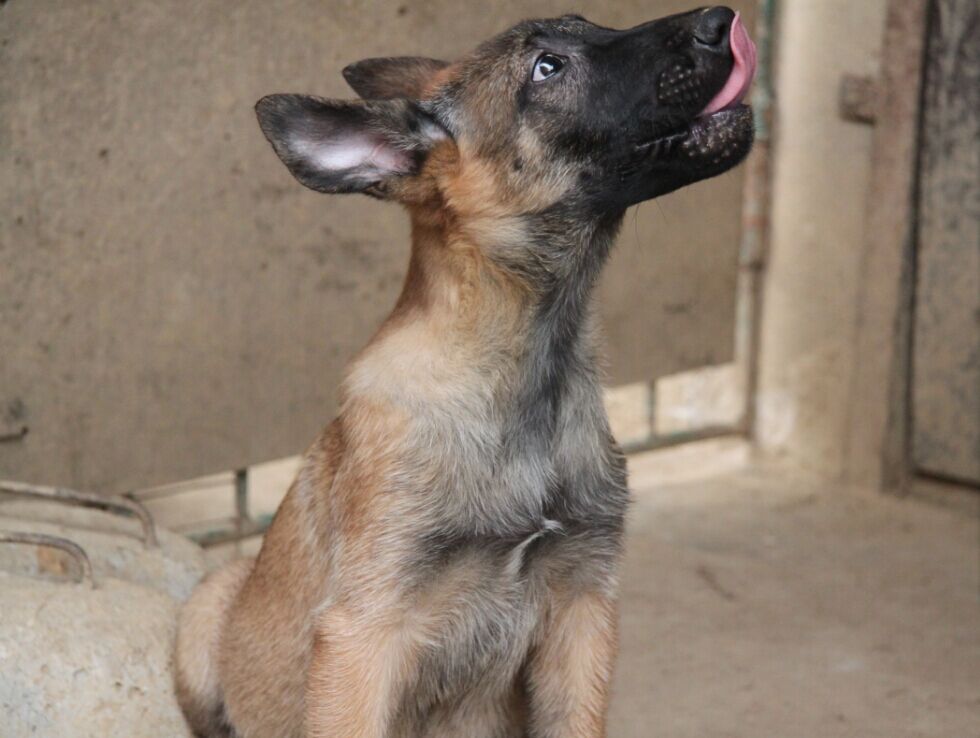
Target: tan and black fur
x: 445, y: 564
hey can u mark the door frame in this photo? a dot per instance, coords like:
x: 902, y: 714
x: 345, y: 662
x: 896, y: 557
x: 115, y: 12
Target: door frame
x: 879, y: 446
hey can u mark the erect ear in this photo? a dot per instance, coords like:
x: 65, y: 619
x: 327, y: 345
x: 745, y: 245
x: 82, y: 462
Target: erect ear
x: 341, y: 146
x: 385, y: 78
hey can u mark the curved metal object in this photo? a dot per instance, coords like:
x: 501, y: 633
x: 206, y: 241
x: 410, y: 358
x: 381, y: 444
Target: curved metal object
x: 84, y: 499
x: 40, y: 539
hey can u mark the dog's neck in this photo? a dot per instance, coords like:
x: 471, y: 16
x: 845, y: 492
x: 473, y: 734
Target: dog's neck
x: 559, y: 342
x: 515, y: 316
x: 489, y: 367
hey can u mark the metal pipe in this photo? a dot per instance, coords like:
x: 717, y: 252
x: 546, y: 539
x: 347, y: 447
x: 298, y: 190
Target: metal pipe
x: 754, y: 248
x: 41, y: 539
x: 84, y: 499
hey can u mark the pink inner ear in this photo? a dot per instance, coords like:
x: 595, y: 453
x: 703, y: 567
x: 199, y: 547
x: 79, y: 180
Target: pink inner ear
x: 385, y: 156
x: 353, y: 151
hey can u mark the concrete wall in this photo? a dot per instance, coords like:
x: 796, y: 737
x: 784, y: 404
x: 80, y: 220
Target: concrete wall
x: 172, y: 303
x: 814, y: 277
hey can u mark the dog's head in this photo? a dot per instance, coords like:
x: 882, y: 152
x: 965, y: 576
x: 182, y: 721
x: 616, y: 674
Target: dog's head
x: 550, y: 112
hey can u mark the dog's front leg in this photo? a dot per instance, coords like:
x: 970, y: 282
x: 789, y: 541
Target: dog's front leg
x: 357, y: 675
x: 571, y: 668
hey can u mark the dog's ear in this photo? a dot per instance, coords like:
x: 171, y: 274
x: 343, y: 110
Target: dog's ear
x: 343, y: 146
x: 386, y: 78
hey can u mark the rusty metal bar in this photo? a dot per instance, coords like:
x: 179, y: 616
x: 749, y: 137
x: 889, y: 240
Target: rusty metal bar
x: 236, y: 530
x: 676, y: 439
x: 84, y: 499
x: 69, y: 547
x: 242, y: 519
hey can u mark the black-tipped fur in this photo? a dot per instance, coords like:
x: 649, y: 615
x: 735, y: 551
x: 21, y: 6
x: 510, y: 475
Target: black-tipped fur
x: 385, y: 78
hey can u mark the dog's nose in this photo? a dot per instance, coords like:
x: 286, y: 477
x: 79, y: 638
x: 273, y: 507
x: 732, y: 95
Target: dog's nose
x: 712, y: 26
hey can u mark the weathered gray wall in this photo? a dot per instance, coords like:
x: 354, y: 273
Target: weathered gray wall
x: 173, y: 303
x: 946, y: 338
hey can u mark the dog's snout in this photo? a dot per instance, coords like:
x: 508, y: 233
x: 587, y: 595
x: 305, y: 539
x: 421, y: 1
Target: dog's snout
x: 711, y: 27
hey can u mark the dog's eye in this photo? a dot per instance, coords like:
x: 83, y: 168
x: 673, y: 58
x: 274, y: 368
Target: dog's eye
x: 547, y: 65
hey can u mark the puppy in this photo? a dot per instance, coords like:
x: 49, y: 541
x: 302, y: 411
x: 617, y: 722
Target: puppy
x: 445, y: 563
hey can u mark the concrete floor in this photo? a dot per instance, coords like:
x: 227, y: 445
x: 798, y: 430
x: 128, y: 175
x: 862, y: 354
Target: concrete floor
x: 758, y: 602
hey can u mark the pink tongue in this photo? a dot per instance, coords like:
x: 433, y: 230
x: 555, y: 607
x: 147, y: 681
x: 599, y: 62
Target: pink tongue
x: 743, y: 70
